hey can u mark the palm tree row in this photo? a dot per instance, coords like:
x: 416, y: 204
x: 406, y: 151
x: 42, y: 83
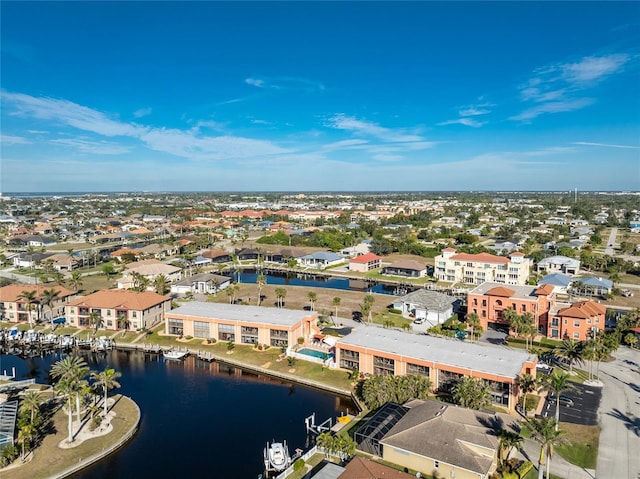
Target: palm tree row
x: 378, y: 390
x: 342, y: 446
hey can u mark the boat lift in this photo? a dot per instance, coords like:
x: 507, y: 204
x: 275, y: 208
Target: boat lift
x: 310, y: 424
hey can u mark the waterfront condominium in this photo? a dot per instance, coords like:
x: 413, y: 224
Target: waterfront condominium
x: 467, y: 268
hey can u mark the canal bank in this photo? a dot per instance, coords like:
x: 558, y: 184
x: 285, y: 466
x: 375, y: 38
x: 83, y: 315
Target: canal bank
x: 49, y: 460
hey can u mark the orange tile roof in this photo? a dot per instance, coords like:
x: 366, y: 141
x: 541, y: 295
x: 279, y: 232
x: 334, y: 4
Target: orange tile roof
x: 360, y: 468
x: 583, y: 310
x: 544, y: 290
x: 12, y: 292
x: 118, y: 298
x: 365, y: 258
x: 480, y: 258
x: 501, y: 291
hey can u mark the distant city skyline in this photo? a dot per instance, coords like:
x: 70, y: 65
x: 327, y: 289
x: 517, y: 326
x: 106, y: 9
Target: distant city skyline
x: 319, y: 96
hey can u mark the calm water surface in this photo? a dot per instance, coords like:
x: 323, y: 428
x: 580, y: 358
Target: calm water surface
x: 199, y: 419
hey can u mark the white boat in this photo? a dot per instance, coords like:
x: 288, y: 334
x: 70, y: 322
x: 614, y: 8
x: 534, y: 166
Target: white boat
x: 276, y: 456
x: 174, y: 354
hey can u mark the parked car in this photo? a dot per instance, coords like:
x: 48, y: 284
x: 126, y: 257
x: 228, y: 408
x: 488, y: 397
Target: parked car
x: 418, y: 321
x: 564, y: 400
x: 627, y: 293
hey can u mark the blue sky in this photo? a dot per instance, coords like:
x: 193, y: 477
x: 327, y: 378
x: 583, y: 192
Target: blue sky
x: 359, y: 96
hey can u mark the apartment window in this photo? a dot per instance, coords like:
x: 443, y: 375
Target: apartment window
x: 383, y: 366
x: 576, y: 335
x: 554, y: 322
x: 597, y: 320
x: 566, y: 321
x: 108, y: 312
x: 469, y: 265
x: 554, y: 333
x: 279, y: 337
x: 524, y: 308
x: 588, y: 321
x: 576, y: 324
x: 134, y: 314
x: 201, y: 329
x: 484, y: 313
x: 475, y: 301
x: 349, y: 359
x: 436, y: 464
x: 417, y: 369
x: 226, y: 332
x: 176, y: 326
x: 249, y: 335
x: 484, y: 302
x: 457, y: 263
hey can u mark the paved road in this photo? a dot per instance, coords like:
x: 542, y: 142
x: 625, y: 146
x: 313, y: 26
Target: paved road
x: 619, y: 413
x: 612, y: 242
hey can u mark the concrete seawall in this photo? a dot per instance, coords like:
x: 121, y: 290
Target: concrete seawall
x: 104, y: 453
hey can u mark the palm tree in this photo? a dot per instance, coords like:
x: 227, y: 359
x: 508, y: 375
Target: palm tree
x: 473, y: 320
x: 527, y: 384
x: 71, y: 370
x: 281, y: 293
x: 572, y: 351
x: 230, y: 292
x: 544, y: 432
x: 48, y: 297
x: 472, y: 393
x: 557, y: 383
x: 514, y: 320
x: 76, y: 280
x: 107, y: 379
x: 30, y: 402
x: 161, y: 284
x: 30, y: 298
x: 312, y: 297
x: 67, y: 389
x: 123, y: 322
x: 369, y: 300
x: 261, y: 280
x: 95, y: 319
x: 336, y: 302
x: 509, y: 440
x: 25, y: 434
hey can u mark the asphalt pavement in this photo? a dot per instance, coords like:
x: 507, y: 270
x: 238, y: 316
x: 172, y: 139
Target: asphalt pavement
x: 619, y: 414
x: 583, y: 411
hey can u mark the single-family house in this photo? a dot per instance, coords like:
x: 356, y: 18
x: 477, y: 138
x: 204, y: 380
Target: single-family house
x: 406, y: 268
x: 592, y: 286
x: 205, y: 283
x: 321, y: 259
x: 365, y: 262
x: 427, y: 306
x: 559, y: 264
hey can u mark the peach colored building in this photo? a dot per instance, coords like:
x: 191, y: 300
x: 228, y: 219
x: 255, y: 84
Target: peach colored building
x: 490, y: 300
x: 14, y: 308
x: 242, y: 324
x: 444, y: 360
x: 118, y: 309
x: 478, y: 268
x: 365, y: 262
x: 578, y: 321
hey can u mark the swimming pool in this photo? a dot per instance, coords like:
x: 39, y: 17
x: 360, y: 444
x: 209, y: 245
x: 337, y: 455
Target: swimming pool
x: 315, y: 353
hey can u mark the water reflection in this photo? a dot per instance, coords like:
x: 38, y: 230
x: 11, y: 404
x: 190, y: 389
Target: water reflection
x: 209, y: 418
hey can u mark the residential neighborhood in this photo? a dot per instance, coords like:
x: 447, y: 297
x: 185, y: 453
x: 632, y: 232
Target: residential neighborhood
x: 460, y: 291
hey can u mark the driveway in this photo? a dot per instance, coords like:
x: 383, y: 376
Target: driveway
x: 619, y: 414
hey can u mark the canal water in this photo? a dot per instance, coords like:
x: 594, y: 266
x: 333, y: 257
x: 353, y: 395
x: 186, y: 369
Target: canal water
x: 199, y: 419
x: 318, y: 281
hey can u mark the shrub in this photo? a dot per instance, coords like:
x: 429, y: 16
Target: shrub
x: 188, y: 338
x: 299, y: 464
x: 301, y: 340
x: 230, y: 345
x: 394, y: 311
x: 524, y: 469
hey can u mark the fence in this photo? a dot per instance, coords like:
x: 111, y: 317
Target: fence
x: 12, y: 385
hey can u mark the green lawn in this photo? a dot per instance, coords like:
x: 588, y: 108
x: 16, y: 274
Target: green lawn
x: 582, y: 447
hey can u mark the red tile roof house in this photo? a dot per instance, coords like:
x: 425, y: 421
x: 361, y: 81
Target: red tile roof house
x: 365, y: 262
x: 579, y: 321
x: 14, y: 308
x: 119, y: 309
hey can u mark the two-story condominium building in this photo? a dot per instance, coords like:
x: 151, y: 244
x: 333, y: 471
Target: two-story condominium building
x: 444, y: 360
x: 578, y: 321
x: 118, y: 309
x: 479, y: 268
x: 490, y: 300
x: 242, y: 324
x: 15, y: 308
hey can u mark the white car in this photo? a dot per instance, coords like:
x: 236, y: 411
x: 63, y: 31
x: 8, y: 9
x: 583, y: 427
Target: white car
x: 627, y: 293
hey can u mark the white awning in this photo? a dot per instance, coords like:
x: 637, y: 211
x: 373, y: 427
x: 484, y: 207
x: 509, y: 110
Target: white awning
x: 330, y: 340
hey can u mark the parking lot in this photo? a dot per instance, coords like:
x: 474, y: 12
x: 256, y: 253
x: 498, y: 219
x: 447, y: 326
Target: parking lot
x: 584, y: 410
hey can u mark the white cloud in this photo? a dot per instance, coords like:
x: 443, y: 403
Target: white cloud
x: 346, y: 144
x: 553, y: 107
x: 473, y: 111
x: 349, y: 123
x: 464, y: 121
x: 188, y: 144
x: 557, y: 87
x: 605, y: 145
x: 13, y: 140
x: 593, y: 69
x: 383, y: 157
x: 254, y: 82
x: 142, y: 112
x: 93, y: 147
